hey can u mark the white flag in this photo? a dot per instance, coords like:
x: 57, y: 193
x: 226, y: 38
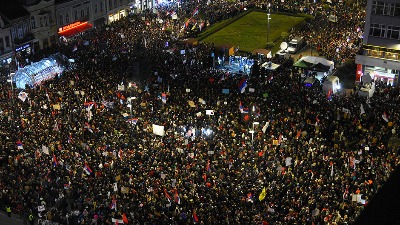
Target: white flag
x: 210, y: 112
x: 22, y: 95
x: 265, y: 127
x: 45, y: 150
x: 362, y: 109
x: 332, y: 170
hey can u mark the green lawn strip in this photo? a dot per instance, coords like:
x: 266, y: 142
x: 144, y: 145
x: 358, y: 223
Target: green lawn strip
x: 250, y: 31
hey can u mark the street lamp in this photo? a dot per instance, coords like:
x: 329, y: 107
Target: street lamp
x: 268, y: 14
x: 12, y: 85
x: 252, y: 132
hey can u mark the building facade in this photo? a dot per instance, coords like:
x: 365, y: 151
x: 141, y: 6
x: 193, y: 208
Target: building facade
x: 380, y: 54
x: 42, y: 22
x: 6, y: 45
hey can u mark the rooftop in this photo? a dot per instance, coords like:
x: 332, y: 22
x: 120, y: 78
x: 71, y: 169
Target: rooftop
x: 11, y: 10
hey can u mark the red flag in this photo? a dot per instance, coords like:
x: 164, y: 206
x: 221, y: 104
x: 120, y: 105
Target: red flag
x: 167, y: 195
x: 116, y: 222
x: 195, y: 218
x: 124, y: 218
x: 298, y: 134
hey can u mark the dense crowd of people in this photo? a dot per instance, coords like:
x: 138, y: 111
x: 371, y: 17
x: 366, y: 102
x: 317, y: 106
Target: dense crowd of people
x: 81, y: 148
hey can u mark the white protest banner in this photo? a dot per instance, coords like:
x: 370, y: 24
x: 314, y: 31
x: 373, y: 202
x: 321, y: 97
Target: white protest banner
x: 121, y: 87
x: 41, y: 208
x: 251, y: 89
x: 158, y: 130
x: 210, y: 112
x: 115, y: 220
x: 187, y: 90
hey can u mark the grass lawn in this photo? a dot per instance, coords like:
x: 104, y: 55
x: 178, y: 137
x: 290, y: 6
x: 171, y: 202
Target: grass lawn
x: 250, y: 31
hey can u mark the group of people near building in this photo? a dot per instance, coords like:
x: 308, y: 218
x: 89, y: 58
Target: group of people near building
x: 142, y: 130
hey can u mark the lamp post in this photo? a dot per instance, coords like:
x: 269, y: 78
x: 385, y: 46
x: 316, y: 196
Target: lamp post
x: 12, y: 85
x: 252, y: 132
x: 268, y: 14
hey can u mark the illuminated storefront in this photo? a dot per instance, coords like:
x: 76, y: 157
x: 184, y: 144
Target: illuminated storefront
x: 74, y: 28
x: 117, y: 15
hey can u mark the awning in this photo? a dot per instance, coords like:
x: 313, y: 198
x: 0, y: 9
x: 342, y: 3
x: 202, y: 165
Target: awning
x: 71, y: 31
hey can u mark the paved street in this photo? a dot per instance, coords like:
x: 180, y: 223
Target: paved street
x: 14, y: 220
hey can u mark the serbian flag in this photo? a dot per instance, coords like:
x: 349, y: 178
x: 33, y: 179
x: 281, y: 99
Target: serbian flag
x: 164, y: 98
x: 242, y: 85
x: 385, y: 117
x: 113, y: 204
x: 329, y: 95
x: 177, y: 198
x: 195, y: 218
x: 89, y: 104
x: 241, y: 107
x: 55, y: 162
x: 167, y: 195
x: 196, y: 11
x: 87, y: 169
x: 132, y: 120
x: 87, y: 126
x: 124, y: 218
x: 120, y: 154
x: 208, y: 167
x: 19, y: 145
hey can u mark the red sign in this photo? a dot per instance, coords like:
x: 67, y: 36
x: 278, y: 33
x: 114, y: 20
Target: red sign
x: 74, y: 28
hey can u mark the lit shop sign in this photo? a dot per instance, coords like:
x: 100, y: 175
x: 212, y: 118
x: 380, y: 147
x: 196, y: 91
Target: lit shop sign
x: 71, y: 26
x: 22, y: 47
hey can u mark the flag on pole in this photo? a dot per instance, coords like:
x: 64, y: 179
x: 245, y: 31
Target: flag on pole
x: 87, y: 169
x: 242, y: 85
x: 55, y: 162
x: 177, y: 198
x: 132, y: 120
x: 167, y: 195
x: 195, y: 12
x: 19, y: 145
x: 124, y: 218
x: 262, y: 194
x: 208, y: 167
x: 329, y: 95
x: 113, y: 204
x: 164, y: 98
x: 241, y: 107
x: 331, y: 169
x: 195, y: 218
x: 385, y: 117
x: 362, y: 111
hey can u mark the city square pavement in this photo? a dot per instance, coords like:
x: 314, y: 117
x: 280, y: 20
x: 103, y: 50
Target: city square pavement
x: 14, y: 219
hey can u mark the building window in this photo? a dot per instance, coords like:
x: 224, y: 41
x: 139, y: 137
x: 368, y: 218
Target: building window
x: 76, y: 14
x: 388, y: 9
x: 82, y: 13
x: 393, y: 32
x: 397, y: 10
x: 67, y: 18
x: 95, y: 8
x: 46, y: 21
x: 7, y: 38
x: 101, y: 6
x: 115, y: 3
x: 87, y: 11
x: 377, y: 7
x: 61, y: 21
x: 20, y: 31
x: 33, y: 24
x: 13, y: 33
x: 377, y: 30
x: 109, y: 4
